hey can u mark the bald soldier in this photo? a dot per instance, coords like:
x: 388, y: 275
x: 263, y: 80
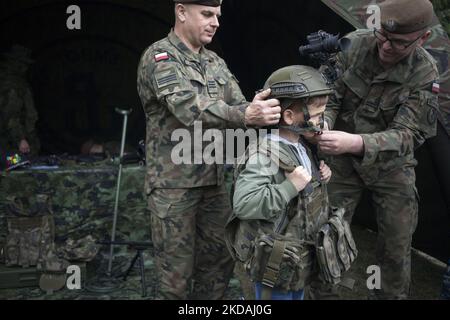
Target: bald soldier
x: 180, y: 82
x: 384, y: 109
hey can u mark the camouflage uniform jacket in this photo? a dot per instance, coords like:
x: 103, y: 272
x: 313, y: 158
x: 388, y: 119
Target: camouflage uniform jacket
x: 177, y: 88
x: 393, y: 110
x: 18, y: 115
x: 262, y: 192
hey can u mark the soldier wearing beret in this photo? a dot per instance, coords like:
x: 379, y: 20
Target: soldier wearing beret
x: 181, y: 83
x: 18, y: 115
x: 384, y: 109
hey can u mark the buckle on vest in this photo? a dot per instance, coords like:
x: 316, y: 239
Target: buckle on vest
x: 270, y: 276
x: 273, y: 265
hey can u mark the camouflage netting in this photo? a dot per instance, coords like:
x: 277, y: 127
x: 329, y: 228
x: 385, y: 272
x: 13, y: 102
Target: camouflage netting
x: 83, y: 203
x: 82, y: 200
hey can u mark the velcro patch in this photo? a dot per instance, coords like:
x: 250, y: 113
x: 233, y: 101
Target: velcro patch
x: 166, y: 78
x: 212, y: 88
x: 432, y: 116
x: 436, y: 88
x: 161, y: 56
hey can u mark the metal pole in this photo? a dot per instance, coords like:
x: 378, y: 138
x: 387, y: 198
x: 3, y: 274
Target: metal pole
x: 125, y: 114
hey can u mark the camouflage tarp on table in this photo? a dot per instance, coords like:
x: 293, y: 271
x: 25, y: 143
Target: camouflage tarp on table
x: 83, y: 200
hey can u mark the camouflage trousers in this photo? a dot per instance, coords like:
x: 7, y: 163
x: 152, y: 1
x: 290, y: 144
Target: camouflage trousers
x: 394, y: 199
x: 188, y: 235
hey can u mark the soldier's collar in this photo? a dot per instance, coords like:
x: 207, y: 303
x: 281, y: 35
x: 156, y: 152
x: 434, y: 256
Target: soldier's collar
x: 173, y: 38
x: 279, y: 149
x: 401, y: 72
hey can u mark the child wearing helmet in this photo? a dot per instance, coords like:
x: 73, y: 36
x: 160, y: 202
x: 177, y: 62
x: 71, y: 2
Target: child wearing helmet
x: 280, y: 199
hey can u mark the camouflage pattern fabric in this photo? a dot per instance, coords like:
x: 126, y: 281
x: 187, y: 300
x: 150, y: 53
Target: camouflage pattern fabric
x: 176, y: 91
x: 126, y: 290
x: 188, y: 238
x: 394, y: 111
x: 355, y: 12
x: 395, y: 201
x: 83, y: 200
x: 29, y: 240
x: 18, y: 115
x: 31, y: 231
x: 441, y: 8
x: 426, y: 280
x: 82, y: 250
x: 179, y: 89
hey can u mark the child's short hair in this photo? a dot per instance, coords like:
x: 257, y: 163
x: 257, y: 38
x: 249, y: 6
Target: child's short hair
x: 290, y: 104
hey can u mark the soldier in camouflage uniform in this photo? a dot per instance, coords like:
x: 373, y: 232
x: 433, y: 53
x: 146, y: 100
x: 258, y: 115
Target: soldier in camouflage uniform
x: 18, y: 115
x: 384, y: 109
x: 181, y: 82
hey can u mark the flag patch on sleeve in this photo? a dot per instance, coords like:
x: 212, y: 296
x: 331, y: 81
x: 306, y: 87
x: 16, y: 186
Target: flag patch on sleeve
x: 436, y: 88
x: 161, y: 56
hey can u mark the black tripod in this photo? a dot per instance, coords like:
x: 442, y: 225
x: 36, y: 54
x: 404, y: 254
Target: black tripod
x: 139, y: 247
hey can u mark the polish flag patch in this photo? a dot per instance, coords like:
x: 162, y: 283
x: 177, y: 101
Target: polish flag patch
x: 161, y: 56
x: 436, y: 88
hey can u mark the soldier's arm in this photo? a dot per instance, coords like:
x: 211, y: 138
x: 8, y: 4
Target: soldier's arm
x: 31, y: 115
x: 414, y: 122
x: 233, y: 93
x: 256, y: 196
x: 334, y: 104
x: 182, y: 99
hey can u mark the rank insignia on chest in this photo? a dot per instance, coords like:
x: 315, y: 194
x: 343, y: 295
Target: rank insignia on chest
x: 161, y: 56
x: 212, y: 88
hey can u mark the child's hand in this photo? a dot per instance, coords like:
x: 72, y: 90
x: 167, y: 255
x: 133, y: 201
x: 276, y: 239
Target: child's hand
x: 325, y: 172
x: 299, y: 178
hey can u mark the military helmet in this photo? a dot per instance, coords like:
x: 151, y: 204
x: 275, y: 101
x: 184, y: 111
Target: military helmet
x: 296, y: 82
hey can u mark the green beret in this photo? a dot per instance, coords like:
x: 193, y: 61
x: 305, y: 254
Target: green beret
x: 209, y: 3
x: 406, y: 16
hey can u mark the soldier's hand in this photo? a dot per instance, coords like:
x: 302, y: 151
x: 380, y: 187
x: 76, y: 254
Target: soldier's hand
x: 338, y: 142
x: 299, y: 178
x: 24, y: 147
x: 325, y: 172
x: 262, y: 112
x: 313, y: 139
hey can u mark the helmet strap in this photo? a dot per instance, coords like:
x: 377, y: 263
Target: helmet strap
x: 308, y: 126
x: 306, y: 115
